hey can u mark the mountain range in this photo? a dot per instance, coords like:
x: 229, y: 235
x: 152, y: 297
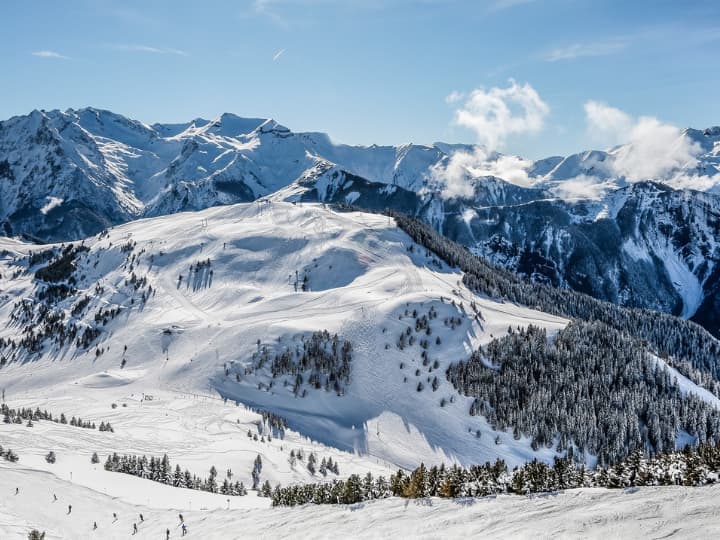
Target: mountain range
x: 269, y: 339
x: 577, y: 222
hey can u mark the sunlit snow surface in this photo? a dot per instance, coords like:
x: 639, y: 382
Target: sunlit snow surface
x: 653, y: 512
x: 362, y: 277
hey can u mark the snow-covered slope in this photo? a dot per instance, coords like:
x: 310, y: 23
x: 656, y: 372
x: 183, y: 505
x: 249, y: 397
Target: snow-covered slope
x: 67, y: 175
x: 178, y: 329
x: 178, y: 322
x: 656, y: 512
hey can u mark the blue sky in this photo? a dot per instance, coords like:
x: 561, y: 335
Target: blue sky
x: 367, y: 71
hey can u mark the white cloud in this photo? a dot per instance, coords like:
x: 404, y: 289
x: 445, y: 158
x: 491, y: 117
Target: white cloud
x: 606, y: 123
x: 583, y: 187
x: 52, y: 202
x: 493, y: 115
x: 583, y: 50
x: 653, y: 150
x: 498, y: 113
x: 278, y: 55
x: 50, y: 54
x: 454, y: 97
x: 452, y: 177
x: 681, y: 180
x: 149, y: 49
x: 513, y: 169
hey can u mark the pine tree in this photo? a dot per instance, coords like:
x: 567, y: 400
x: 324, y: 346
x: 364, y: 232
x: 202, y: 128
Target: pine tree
x: 352, y: 492
x: 266, y: 490
x: 257, y: 469
x: 416, y: 487
x: 311, y: 463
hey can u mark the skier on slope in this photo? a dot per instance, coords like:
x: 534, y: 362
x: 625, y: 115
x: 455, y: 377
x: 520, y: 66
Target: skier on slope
x: 69, y: 508
x: 167, y: 534
x: 94, y: 525
x: 141, y: 518
x: 134, y: 528
x: 184, y: 529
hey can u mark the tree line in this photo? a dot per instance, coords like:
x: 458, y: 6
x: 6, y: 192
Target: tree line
x: 28, y: 416
x: 689, y: 467
x: 161, y: 470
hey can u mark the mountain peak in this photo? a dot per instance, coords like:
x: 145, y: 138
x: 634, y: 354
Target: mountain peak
x: 232, y: 125
x: 271, y: 126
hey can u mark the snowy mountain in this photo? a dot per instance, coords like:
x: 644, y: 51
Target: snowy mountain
x: 569, y: 221
x: 68, y: 174
x: 244, y: 300
x: 279, y: 329
x: 194, y: 326
x: 645, y: 245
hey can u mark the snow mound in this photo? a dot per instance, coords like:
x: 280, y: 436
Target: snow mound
x: 108, y: 379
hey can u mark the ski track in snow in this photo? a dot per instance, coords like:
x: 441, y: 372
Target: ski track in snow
x: 654, y: 512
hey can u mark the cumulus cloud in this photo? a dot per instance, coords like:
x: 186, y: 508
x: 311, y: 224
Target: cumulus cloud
x: 513, y: 169
x: 697, y: 182
x: 652, y: 150
x: 498, y: 113
x: 50, y: 54
x: 451, y: 176
x: 493, y: 115
x: 642, y: 148
x: 606, y: 123
x: 655, y: 150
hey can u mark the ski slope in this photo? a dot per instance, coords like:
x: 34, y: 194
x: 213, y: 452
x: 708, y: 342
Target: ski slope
x: 174, y: 374
x: 362, y: 280
x: 157, y: 371
x: 653, y: 512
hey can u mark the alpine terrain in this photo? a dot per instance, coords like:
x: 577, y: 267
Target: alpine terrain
x: 224, y: 328
x: 585, y: 222
x: 211, y: 363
